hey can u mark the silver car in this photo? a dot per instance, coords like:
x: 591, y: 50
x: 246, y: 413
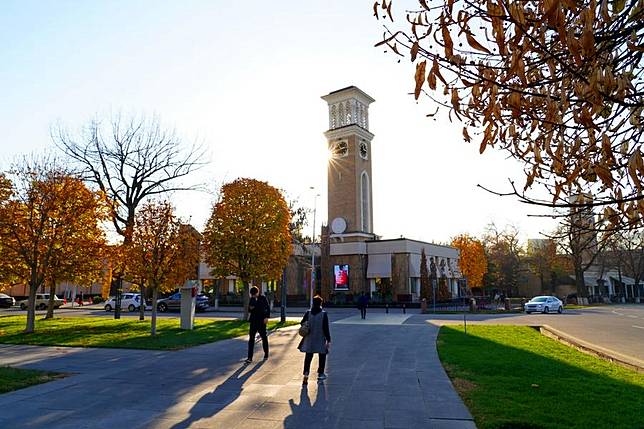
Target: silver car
x: 544, y: 304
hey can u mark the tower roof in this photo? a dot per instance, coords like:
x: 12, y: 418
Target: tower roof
x: 346, y: 93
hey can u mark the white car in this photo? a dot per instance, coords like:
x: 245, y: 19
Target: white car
x: 42, y: 302
x: 131, y: 301
x: 544, y: 304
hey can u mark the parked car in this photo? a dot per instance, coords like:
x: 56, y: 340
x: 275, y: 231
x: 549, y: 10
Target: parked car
x: 131, y: 301
x: 6, y: 301
x: 42, y: 301
x: 173, y: 302
x: 544, y: 304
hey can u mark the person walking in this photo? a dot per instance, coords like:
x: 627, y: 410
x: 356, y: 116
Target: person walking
x: 259, y: 312
x: 363, y: 303
x: 318, y: 339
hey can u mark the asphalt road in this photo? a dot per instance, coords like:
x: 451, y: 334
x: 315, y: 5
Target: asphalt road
x: 615, y: 327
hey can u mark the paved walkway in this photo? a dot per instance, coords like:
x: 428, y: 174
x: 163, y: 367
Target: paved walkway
x: 381, y: 375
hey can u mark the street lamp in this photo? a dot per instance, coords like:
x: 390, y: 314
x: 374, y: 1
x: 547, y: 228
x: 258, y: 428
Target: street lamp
x: 315, y: 199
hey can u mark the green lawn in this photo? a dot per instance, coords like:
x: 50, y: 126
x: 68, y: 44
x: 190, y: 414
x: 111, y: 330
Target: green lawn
x: 514, y: 377
x: 123, y: 333
x: 14, y: 378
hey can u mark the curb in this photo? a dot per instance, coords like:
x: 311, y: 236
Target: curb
x: 592, y: 349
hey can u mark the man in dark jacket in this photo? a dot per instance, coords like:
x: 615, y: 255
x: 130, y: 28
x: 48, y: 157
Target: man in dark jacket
x: 259, y: 312
x: 363, y: 303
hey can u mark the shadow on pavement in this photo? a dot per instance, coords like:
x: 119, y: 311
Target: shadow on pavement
x: 307, y: 414
x: 221, y: 397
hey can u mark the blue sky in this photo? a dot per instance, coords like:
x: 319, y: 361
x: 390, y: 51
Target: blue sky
x: 244, y: 79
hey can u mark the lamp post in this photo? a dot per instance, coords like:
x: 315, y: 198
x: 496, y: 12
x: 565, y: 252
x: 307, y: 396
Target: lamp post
x: 283, y: 297
x: 315, y: 199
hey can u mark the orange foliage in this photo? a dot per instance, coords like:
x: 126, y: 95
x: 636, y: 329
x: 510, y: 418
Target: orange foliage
x: 49, y: 227
x: 471, y: 260
x: 248, y: 234
x: 164, y: 252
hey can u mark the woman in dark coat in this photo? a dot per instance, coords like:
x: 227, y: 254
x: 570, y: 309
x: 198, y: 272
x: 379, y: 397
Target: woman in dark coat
x: 317, y: 341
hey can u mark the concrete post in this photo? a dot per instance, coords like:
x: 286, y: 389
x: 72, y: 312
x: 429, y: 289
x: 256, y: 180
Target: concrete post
x: 188, y: 306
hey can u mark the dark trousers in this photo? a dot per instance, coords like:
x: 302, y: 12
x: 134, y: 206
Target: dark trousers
x: 363, y: 312
x: 254, y: 329
x: 321, y: 360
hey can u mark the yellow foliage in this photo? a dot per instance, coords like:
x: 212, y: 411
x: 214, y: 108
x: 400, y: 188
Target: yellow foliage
x: 471, y: 260
x: 164, y: 252
x: 247, y: 234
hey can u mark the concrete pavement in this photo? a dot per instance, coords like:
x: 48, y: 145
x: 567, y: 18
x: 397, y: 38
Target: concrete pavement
x: 383, y: 373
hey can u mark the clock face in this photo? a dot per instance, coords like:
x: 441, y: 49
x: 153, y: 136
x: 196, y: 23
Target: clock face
x: 339, y: 225
x: 340, y: 149
x: 364, y: 150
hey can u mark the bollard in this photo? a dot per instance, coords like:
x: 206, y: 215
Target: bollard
x: 404, y: 309
x: 387, y: 308
x: 423, y: 306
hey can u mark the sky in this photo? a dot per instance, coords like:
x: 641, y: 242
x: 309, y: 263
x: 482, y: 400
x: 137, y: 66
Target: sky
x: 244, y: 80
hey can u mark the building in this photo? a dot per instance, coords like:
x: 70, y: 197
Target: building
x: 354, y: 258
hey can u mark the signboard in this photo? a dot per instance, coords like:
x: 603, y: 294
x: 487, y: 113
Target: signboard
x: 341, y: 275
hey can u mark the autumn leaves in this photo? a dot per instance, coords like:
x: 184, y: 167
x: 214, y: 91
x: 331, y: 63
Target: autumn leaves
x: 248, y: 233
x: 557, y: 84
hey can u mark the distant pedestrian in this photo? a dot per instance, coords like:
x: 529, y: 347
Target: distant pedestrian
x: 259, y: 312
x: 318, y: 339
x: 363, y: 303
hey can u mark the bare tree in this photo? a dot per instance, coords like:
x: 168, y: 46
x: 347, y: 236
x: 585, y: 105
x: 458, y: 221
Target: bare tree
x: 628, y: 250
x: 582, y: 236
x: 503, y: 252
x: 130, y: 160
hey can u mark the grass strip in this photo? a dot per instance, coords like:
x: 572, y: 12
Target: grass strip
x: 122, y: 333
x: 514, y: 377
x: 15, y: 378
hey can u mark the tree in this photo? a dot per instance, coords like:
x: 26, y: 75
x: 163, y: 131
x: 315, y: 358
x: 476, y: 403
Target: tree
x: 578, y: 237
x: 503, y: 255
x: 425, y: 283
x: 164, y: 252
x: 471, y: 259
x: 546, y: 263
x: 628, y: 250
x: 38, y: 211
x: 248, y: 234
x: 130, y: 161
x: 558, y: 85
x: 78, y: 254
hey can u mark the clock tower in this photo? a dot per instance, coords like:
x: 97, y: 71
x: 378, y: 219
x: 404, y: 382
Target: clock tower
x: 349, y: 171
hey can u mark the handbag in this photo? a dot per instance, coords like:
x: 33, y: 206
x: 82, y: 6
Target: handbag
x: 305, y: 328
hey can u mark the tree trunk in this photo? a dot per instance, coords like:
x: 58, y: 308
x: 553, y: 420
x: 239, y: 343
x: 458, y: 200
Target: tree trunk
x: 245, y: 298
x: 142, y: 306
x: 50, y: 304
x: 155, y: 294
x: 580, y: 282
x: 31, y: 302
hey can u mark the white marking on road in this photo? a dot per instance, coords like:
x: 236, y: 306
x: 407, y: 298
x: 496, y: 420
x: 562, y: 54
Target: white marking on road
x: 619, y: 314
x: 639, y: 327
x: 633, y: 317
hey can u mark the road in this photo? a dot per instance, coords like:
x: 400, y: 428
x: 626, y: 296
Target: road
x: 619, y: 328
